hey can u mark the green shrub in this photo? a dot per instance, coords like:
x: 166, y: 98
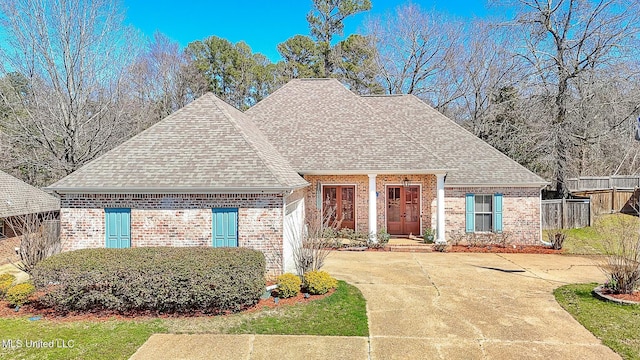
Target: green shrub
x: 19, y: 294
x: 288, y: 285
x: 319, y: 282
x: 6, y: 280
x: 157, y: 279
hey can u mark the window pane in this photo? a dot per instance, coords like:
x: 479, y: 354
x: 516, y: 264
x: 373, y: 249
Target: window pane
x: 483, y: 222
x: 483, y: 203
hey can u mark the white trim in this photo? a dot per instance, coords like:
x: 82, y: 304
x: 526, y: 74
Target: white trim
x: 377, y: 172
x: 373, y: 207
x: 539, y: 214
x: 174, y: 190
x: 539, y: 185
x: 440, y: 210
x: 386, y: 204
x: 355, y: 201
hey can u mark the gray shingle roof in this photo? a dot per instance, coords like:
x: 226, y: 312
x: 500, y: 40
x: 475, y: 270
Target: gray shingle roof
x: 475, y: 161
x: 320, y: 126
x: 207, y: 146
x: 19, y: 198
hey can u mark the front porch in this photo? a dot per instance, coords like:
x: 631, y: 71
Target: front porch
x: 402, y: 205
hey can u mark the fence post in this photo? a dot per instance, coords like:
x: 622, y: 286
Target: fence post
x: 563, y: 210
x: 613, y: 199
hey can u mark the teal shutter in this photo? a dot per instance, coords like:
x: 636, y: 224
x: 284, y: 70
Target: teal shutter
x: 225, y: 227
x: 469, y: 213
x: 497, y: 213
x: 118, y: 228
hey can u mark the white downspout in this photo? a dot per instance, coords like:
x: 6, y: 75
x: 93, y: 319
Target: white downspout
x: 440, y: 239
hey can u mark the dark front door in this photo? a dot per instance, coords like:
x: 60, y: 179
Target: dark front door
x: 338, y: 206
x: 403, y: 210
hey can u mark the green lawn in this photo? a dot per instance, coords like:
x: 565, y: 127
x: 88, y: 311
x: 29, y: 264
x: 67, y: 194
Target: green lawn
x: 616, y: 325
x: 589, y: 240
x: 341, y: 314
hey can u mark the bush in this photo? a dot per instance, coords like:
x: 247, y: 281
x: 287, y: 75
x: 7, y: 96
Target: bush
x: 158, y: 279
x: 6, y: 280
x: 19, y: 294
x: 319, y: 282
x: 557, y: 238
x: 288, y: 285
x: 622, y: 249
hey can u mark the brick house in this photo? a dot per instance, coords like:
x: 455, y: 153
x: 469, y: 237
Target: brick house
x: 203, y: 176
x: 394, y: 162
x: 17, y: 198
x: 210, y: 175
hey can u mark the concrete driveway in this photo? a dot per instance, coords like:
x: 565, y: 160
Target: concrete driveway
x: 470, y: 306
x: 430, y: 306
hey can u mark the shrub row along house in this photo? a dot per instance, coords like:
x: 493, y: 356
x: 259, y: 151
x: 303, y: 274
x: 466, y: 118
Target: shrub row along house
x: 210, y: 175
x: 17, y: 200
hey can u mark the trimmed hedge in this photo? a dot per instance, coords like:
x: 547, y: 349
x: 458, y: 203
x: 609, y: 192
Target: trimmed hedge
x: 319, y: 282
x: 157, y: 279
x: 6, y: 280
x: 288, y: 285
x: 18, y: 295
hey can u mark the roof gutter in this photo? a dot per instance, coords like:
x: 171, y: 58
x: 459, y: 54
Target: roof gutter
x: 173, y: 190
x: 531, y: 184
x: 377, y: 172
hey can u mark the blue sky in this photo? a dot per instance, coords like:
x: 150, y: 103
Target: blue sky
x: 261, y: 24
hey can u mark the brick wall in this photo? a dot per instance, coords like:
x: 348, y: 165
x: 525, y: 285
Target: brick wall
x: 521, y: 211
x: 7, y: 249
x: 361, y: 182
x: 521, y: 206
x: 175, y: 220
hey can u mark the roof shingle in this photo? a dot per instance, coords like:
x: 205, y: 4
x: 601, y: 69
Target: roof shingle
x: 322, y: 127
x: 207, y: 146
x: 19, y: 198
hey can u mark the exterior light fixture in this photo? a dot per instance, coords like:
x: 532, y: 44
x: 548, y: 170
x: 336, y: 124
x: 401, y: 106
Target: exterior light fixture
x: 406, y: 182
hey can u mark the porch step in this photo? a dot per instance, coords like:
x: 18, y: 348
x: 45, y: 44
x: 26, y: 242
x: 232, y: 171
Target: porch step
x: 419, y: 248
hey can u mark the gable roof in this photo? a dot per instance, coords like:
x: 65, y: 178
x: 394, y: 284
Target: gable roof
x: 321, y: 127
x: 207, y: 146
x: 19, y: 198
x: 476, y: 162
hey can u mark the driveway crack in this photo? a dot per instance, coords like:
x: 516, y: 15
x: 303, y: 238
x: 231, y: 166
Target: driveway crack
x: 424, y: 271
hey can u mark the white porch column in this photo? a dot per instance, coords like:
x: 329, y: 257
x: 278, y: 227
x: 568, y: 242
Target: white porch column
x: 373, y: 218
x: 440, y: 202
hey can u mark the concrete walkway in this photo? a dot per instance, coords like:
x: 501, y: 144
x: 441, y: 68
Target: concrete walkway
x: 430, y: 306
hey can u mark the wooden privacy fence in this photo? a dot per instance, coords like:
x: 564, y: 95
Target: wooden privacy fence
x: 565, y: 213
x: 603, y: 182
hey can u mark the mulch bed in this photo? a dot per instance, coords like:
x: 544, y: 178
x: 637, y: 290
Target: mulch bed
x: 635, y: 296
x: 35, y: 310
x: 517, y: 249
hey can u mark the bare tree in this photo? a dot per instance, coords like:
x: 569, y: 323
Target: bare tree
x: 72, y: 55
x: 415, y: 52
x: 161, y: 80
x: 564, y: 42
x: 39, y: 238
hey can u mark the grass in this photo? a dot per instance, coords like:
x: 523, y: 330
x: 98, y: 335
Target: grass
x: 341, y: 314
x: 590, y: 240
x: 616, y: 325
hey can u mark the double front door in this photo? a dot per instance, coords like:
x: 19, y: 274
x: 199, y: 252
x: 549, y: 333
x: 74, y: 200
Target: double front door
x: 403, y: 210
x: 338, y: 206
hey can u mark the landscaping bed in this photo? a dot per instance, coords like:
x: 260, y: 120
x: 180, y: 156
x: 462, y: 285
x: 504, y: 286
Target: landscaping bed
x: 514, y: 249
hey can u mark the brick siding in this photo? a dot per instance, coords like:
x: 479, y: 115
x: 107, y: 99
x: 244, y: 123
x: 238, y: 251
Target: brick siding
x: 521, y: 206
x: 7, y: 249
x: 520, y: 211
x: 175, y: 220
